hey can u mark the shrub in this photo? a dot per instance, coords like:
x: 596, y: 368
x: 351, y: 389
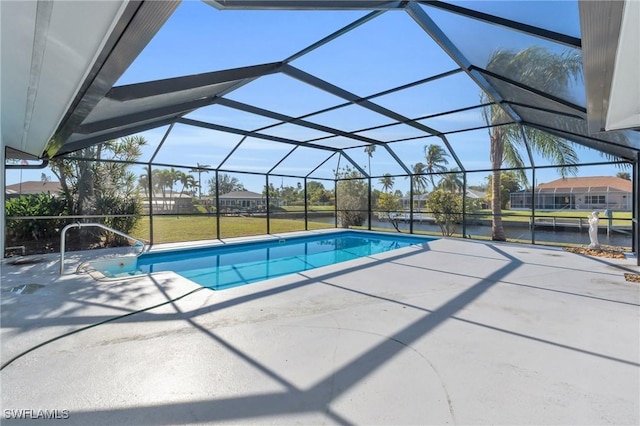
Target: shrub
x: 389, y: 204
x: 352, y: 198
x: 446, y: 208
x: 113, y: 204
x: 43, y: 204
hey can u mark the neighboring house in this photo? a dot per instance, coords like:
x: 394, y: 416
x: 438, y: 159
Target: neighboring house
x: 169, y: 203
x: 580, y: 193
x: 32, y: 187
x: 419, y: 202
x: 478, y: 195
x: 242, y: 200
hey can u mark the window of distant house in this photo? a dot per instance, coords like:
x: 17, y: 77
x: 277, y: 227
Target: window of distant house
x: 595, y: 199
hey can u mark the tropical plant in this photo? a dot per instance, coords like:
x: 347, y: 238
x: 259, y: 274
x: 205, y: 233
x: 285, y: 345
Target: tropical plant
x: 446, y: 209
x: 352, y: 204
x: 163, y: 180
x: 509, y: 182
x: 389, y: 204
x: 199, y: 169
x: 88, y: 187
x: 419, y: 182
x: 143, y: 184
x: 387, y: 182
x: 20, y: 231
x: 451, y: 182
x: 317, y: 194
x: 123, y: 213
x: 542, y: 70
x: 419, y: 179
x: 272, y: 193
x: 186, y: 180
x: 369, y: 149
x: 291, y: 195
x: 624, y: 175
x: 226, y: 184
x: 436, y: 160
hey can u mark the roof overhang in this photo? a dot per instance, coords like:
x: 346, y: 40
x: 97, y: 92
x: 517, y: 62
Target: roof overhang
x: 60, y: 58
x: 610, y: 34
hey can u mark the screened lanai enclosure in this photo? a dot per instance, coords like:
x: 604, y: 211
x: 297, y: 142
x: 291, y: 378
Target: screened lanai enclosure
x: 218, y: 119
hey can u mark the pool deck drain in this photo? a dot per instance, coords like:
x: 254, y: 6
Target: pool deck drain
x: 456, y: 332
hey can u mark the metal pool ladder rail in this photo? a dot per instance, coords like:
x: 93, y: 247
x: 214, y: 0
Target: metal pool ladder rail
x: 87, y: 225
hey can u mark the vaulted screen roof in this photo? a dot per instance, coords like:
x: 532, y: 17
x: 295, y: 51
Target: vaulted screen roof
x: 357, y: 84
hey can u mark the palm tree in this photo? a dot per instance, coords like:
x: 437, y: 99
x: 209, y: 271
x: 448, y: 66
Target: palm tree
x: 369, y: 149
x: 187, y: 181
x: 163, y: 180
x: 451, y: 181
x: 436, y: 158
x: 387, y: 182
x: 143, y: 182
x: 419, y: 178
x: 542, y: 70
x: 624, y: 175
x: 173, y: 176
x: 226, y: 184
x: 200, y: 168
x: 81, y: 181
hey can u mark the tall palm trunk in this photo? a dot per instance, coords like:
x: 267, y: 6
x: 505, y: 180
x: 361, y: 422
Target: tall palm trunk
x: 433, y: 182
x: 545, y: 70
x: 497, y: 152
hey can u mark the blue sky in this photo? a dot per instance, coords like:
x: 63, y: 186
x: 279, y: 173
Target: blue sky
x: 386, y: 52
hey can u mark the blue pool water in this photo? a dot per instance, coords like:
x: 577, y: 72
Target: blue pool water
x: 222, y: 267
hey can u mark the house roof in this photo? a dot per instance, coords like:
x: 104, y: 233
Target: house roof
x: 33, y: 187
x: 241, y: 194
x: 611, y: 182
x: 476, y: 194
x: 416, y: 197
x: 168, y: 195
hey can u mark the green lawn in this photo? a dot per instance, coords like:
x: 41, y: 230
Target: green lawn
x: 195, y: 228
x: 170, y: 229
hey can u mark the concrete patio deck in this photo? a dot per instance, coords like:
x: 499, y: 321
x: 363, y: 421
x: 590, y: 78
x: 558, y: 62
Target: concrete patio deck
x: 455, y: 332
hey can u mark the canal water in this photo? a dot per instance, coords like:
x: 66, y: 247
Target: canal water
x: 560, y: 235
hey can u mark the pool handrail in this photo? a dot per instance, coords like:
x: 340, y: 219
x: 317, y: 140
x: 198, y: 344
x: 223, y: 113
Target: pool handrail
x: 86, y: 225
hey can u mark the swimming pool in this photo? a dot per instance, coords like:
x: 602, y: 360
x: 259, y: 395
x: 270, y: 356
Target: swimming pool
x: 220, y: 267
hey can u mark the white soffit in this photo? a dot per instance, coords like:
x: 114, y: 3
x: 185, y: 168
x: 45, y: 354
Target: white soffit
x: 624, y: 102
x: 48, y: 48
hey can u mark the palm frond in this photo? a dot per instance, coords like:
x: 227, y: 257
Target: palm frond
x: 555, y: 149
x: 513, y: 158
